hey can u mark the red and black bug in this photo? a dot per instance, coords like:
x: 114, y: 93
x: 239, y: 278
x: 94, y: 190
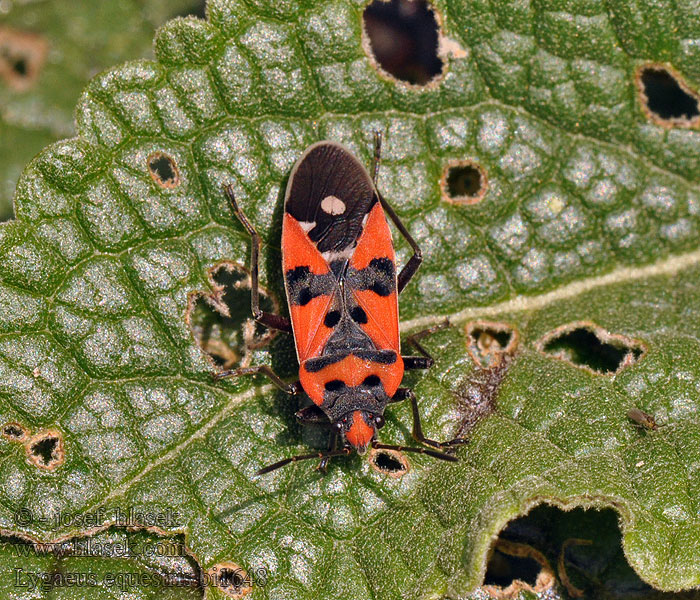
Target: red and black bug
x: 342, y: 288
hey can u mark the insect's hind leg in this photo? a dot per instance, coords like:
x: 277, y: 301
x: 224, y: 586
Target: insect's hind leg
x: 425, y: 361
x: 377, y: 159
x: 264, y: 318
x: 410, y: 268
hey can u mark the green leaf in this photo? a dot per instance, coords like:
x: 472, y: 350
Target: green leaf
x: 48, y: 52
x: 583, y: 253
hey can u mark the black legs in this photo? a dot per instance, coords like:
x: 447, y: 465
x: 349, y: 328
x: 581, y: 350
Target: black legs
x: 407, y: 394
x: 412, y: 265
x: 262, y: 317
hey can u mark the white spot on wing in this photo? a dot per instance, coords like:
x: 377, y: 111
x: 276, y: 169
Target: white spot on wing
x: 307, y: 226
x: 330, y: 255
x: 333, y: 205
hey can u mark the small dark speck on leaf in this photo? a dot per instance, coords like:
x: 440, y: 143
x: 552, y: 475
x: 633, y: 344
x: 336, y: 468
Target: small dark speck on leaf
x: 22, y: 54
x: 14, y: 432
x: 389, y: 462
x: 163, y: 170
x: 45, y: 450
x: 464, y: 182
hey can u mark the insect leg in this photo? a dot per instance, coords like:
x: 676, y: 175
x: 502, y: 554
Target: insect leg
x: 426, y: 361
x: 405, y: 393
x: 270, y: 320
x: 410, y: 268
x: 312, y: 415
x: 377, y: 155
x: 345, y: 450
x: 289, y: 388
x: 433, y: 453
x: 332, y: 447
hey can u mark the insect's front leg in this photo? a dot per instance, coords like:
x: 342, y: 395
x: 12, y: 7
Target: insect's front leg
x: 313, y: 415
x: 264, y: 318
x: 417, y: 432
x: 289, y: 388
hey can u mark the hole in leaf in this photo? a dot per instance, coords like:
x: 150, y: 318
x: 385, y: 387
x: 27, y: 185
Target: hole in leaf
x: 230, y: 579
x: 222, y: 322
x: 488, y: 341
x: 19, y: 66
x: 584, y: 547
x: 22, y: 55
x: 14, y: 432
x: 45, y: 450
x: 403, y: 39
x: 464, y: 182
x: 666, y: 97
x: 389, y: 462
x: 591, y: 347
x: 163, y: 170
x: 510, y: 563
x: 492, y: 347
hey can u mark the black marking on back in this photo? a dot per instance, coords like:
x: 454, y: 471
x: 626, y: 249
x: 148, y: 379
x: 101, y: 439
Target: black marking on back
x: 303, y: 285
x: 338, y: 404
x: 358, y: 315
x: 332, y: 318
x: 383, y: 357
x: 328, y: 169
x: 379, y: 276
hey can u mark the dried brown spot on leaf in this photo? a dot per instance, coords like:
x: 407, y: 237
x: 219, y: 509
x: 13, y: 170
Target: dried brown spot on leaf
x: 221, y: 321
x: 15, y: 432
x: 45, y: 449
x: 389, y: 462
x: 588, y: 346
x: 403, y: 40
x: 230, y: 579
x: 477, y: 396
x: 666, y: 98
x: 464, y: 182
x: 22, y: 54
x: 163, y: 170
x: 502, y: 580
x: 489, y: 341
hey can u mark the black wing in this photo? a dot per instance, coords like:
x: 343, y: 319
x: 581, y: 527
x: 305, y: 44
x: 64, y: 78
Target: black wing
x: 329, y: 193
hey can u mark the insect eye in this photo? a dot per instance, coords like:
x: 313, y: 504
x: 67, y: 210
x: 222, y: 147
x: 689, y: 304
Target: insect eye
x: 334, y: 385
x: 371, y: 380
x: 379, y: 421
x: 338, y: 425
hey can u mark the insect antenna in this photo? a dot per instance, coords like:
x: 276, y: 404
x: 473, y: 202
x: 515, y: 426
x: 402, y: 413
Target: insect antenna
x: 428, y: 451
x: 286, y: 461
